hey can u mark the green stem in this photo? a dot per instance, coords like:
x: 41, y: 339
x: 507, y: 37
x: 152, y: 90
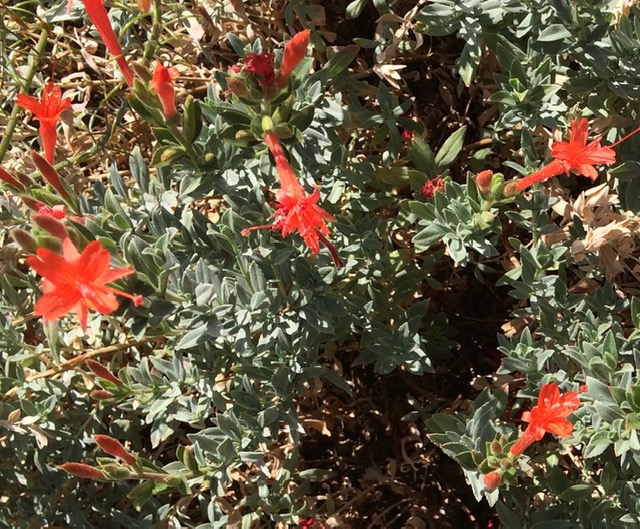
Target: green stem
x: 34, y: 61
x: 156, y: 33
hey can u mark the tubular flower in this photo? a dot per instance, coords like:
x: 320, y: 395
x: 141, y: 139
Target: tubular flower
x: 77, y: 282
x: 548, y: 416
x: 574, y: 156
x: 47, y: 111
x: 294, y: 51
x: 100, y: 19
x: 297, y: 211
x: 162, y: 83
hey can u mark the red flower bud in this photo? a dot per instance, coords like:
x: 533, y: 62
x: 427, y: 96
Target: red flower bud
x: 82, y: 471
x: 492, y: 480
x: 49, y: 173
x: 7, y: 178
x: 483, y: 179
x: 24, y: 240
x: 113, y: 447
x: 101, y: 394
x: 51, y: 225
x: 102, y: 372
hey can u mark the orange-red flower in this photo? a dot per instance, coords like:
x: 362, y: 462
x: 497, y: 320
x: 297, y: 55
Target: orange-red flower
x: 548, y: 416
x: 77, y: 282
x: 579, y: 157
x: 297, y: 211
x: 574, y: 156
x: 47, y: 111
x: 162, y: 83
x: 100, y: 19
x: 294, y: 51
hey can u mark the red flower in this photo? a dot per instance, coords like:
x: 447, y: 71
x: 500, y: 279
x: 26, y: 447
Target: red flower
x: 261, y: 65
x: 297, y: 211
x: 575, y: 156
x: 77, y: 282
x: 57, y: 212
x: 47, y: 111
x: 548, y: 416
x: 162, y: 83
x: 294, y: 51
x: 430, y: 188
x: 100, y: 19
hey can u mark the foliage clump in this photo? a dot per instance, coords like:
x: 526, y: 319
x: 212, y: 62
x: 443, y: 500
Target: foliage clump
x: 247, y: 281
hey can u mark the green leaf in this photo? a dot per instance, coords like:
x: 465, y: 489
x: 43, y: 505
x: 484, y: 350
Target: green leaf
x: 355, y: 8
x: 427, y: 237
x: 450, y: 149
x: 553, y: 32
x: 422, y: 157
x: 341, y: 60
x: 577, y: 492
x: 237, y: 44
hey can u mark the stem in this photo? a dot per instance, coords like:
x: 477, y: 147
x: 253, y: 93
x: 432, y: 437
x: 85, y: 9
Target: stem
x: 73, y: 362
x: 625, y: 138
x: 33, y: 68
x: 156, y: 32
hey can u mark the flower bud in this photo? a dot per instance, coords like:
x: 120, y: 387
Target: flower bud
x: 102, y: 372
x: 492, y: 481
x: 113, y: 447
x: 238, y: 87
x: 483, y: 180
x: 51, y: 225
x: 189, y: 460
x: 49, y: 173
x: 24, y: 240
x: 7, y: 178
x: 82, y: 471
x: 245, y: 135
x: 172, y: 154
x: 510, y: 190
x: 116, y: 472
x: 267, y: 123
x: 101, y: 394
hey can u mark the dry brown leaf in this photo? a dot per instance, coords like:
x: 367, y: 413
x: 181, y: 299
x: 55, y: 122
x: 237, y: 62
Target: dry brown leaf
x: 317, y: 424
